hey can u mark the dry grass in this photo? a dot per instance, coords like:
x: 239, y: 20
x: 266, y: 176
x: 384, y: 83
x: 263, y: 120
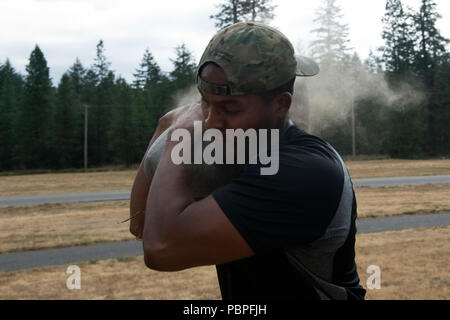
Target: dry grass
x: 123, y: 180
x: 66, y: 182
x: 62, y: 225
x: 397, y: 168
x: 388, y: 201
x: 413, y: 263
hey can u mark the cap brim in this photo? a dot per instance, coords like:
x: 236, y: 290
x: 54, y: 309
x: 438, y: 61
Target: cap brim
x: 306, y: 67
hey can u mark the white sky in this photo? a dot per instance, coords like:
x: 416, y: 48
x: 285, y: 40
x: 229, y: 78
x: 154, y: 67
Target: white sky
x: 67, y: 29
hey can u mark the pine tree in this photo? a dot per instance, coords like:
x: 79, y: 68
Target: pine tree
x: 35, y: 117
x: 258, y: 10
x: 373, y: 64
x: 101, y: 65
x: 430, y: 43
x: 183, y: 74
x: 330, y: 48
x: 231, y: 11
x: 122, y: 136
x: 68, y: 125
x: 11, y: 87
x: 398, y: 51
x: 430, y: 56
x: 144, y: 124
x: 76, y: 74
x: 100, y: 114
x: 99, y: 94
x: 148, y: 73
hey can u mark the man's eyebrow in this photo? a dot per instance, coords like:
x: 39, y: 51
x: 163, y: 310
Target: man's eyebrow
x: 229, y: 101
x: 225, y: 101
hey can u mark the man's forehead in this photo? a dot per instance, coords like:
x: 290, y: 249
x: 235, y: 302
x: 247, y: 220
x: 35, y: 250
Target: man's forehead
x: 214, y: 74
x: 221, y: 99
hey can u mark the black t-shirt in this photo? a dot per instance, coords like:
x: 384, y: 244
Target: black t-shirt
x: 299, y: 222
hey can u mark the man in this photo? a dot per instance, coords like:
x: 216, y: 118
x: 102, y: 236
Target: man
x: 290, y: 235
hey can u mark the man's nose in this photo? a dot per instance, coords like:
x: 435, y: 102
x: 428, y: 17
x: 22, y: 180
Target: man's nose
x: 214, y: 119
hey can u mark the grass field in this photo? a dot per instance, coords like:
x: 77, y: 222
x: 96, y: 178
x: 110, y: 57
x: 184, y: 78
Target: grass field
x: 413, y: 263
x: 62, y: 225
x: 123, y: 180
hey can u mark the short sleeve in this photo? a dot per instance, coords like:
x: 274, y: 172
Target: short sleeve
x: 291, y: 207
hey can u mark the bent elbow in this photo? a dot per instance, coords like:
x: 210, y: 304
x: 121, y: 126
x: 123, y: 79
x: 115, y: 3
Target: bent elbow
x: 154, y: 254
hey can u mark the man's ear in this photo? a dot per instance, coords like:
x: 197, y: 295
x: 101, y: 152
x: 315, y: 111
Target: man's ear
x: 283, y: 103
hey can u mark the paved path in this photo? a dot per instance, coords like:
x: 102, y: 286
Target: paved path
x: 400, y: 181
x: 125, y: 194
x: 73, y: 255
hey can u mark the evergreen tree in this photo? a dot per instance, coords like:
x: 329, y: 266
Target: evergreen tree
x: 99, y: 94
x: 398, y: 51
x: 100, y: 113
x: 11, y: 87
x: 258, y: 10
x: 183, y: 74
x: 148, y: 73
x: 231, y: 11
x: 123, y: 139
x: 145, y: 125
x: 101, y: 64
x: 430, y: 56
x: 330, y: 47
x: 76, y: 74
x: 373, y: 64
x: 35, y: 136
x: 68, y: 120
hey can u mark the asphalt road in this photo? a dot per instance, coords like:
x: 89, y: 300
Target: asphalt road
x: 73, y: 255
x: 125, y: 194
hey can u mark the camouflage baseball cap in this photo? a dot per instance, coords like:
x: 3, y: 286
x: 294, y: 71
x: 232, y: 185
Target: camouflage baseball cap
x: 255, y: 57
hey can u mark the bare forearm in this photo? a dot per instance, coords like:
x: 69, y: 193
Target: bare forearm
x: 140, y: 188
x: 169, y: 195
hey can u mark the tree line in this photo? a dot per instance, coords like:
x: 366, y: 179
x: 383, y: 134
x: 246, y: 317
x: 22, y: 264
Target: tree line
x: 43, y: 126
x: 413, y: 56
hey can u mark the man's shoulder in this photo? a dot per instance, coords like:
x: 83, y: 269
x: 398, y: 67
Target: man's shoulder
x: 306, y: 153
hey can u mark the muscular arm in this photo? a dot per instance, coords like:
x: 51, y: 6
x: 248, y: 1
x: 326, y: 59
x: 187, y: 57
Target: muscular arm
x: 141, y: 184
x: 179, y: 232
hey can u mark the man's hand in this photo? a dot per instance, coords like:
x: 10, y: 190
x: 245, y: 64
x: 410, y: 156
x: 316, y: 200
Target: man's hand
x: 188, y: 116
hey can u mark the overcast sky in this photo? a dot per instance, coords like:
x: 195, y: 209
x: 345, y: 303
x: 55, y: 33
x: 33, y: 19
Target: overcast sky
x: 67, y: 29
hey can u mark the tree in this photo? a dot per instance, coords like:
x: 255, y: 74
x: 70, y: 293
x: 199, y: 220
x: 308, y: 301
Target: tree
x: 183, y: 73
x: 100, y: 114
x: 11, y: 87
x: 230, y: 13
x: 76, y: 74
x: 122, y: 135
x: 148, y: 73
x: 330, y: 47
x: 398, y: 51
x: 258, y: 10
x: 68, y: 119
x: 233, y: 11
x: 101, y: 64
x: 373, y: 64
x: 430, y: 57
x: 36, y: 132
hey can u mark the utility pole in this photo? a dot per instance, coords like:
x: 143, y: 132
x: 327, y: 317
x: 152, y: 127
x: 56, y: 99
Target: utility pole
x: 85, y: 136
x: 353, y: 126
